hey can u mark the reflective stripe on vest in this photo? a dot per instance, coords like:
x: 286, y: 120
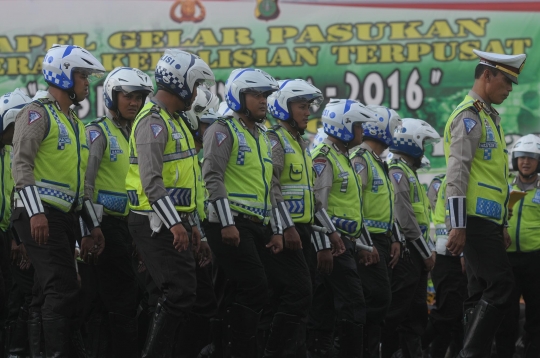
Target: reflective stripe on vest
x: 524, y: 225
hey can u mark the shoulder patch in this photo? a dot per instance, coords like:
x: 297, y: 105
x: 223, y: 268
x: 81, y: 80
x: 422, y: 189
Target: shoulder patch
x: 469, y: 124
x: 274, y: 142
x: 436, y: 186
x: 33, y: 116
x: 397, y: 177
x: 318, y: 165
x: 156, y: 129
x: 94, y: 135
x: 220, y: 137
x: 358, y: 167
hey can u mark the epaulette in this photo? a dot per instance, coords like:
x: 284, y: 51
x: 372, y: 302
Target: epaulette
x: 359, y: 152
x: 98, y: 120
x: 155, y: 109
x: 324, y: 150
x: 44, y: 100
x: 223, y: 120
x: 262, y: 127
x: 477, y: 106
x: 275, y: 127
x: 439, y: 176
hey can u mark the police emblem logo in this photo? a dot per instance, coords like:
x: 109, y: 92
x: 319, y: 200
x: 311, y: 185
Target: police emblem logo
x: 156, y: 129
x: 358, y: 167
x: 33, y: 116
x: 273, y: 142
x: 536, y: 198
x: 397, y: 177
x: 220, y: 137
x: 94, y: 135
x: 436, y: 186
x: 469, y: 124
x: 318, y: 165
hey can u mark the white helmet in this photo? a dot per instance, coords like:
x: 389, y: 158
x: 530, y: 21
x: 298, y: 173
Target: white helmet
x: 204, y: 101
x: 413, y: 137
x: 224, y: 110
x: 526, y: 146
x: 179, y: 72
x: 10, y: 104
x: 425, y: 163
x: 244, y: 80
x: 127, y: 80
x: 40, y: 94
x: 319, y: 137
x: 292, y: 91
x: 339, y: 115
x: 389, y: 157
x: 61, y: 60
x: 387, y: 122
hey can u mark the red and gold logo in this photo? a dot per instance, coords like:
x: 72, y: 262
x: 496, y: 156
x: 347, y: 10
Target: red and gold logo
x: 186, y: 10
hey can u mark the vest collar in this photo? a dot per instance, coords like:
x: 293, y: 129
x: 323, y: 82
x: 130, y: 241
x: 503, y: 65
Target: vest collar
x: 162, y: 106
x: 399, y: 158
x: 366, y: 146
x: 331, y: 144
x: 526, y: 186
x: 486, y: 107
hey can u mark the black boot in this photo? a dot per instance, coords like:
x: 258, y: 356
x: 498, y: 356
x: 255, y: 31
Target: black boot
x: 57, y: 333
x: 320, y: 344
x: 481, y: 329
x: 34, y: 334
x: 284, y: 336
x: 192, y: 337
x: 159, y: 341
x: 240, y: 332
x: 350, y: 339
x: 215, y: 348
x: 124, y: 335
x: 18, y: 346
x: 372, y: 341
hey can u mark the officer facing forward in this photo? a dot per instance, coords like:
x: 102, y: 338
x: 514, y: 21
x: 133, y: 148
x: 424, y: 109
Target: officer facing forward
x: 50, y: 154
x: 161, y: 186
x: 477, y: 192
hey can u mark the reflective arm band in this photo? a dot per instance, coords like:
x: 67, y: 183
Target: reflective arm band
x: 320, y: 241
x: 396, y: 234
x: 31, y: 200
x: 275, y: 222
x: 458, y: 212
x: 421, y: 245
x: 192, y: 221
x: 324, y: 220
x: 361, y: 245
x: 88, y: 214
x: 164, y: 208
x: 84, y: 229
x: 431, y: 244
x: 366, y: 236
x: 285, y: 215
x: 223, y: 211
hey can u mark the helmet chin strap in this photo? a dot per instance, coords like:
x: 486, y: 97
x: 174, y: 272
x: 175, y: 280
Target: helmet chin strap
x: 247, y: 112
x: 294, y: 125
x: 527, y: 176
x: 73, y: 97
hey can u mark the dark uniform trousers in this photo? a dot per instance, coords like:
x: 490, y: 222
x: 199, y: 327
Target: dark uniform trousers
x: 489, y: 272
x: 450, y: 285
x: 5, y: 274
x: 526, y: 268
x: 251, y: 268
x: 55, y: 288
x: 407, y: 315
x: 173, y: 272
x: 338, y: 296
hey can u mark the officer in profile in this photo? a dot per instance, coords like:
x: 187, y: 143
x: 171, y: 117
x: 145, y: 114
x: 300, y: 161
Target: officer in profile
x: 477, y: 194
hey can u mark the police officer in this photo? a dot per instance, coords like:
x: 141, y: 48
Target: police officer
x: 10, y: 104
x: 124, y: 92
x: 378, y: 200
x: 407, y: 315
x: 477, y: 194
x: 292, y: 185
x: 338, y: 295
x: 161, y: 185
x: 50, y: 154
x: 444, y: 326
x: 237, y: 169
x: 524, y: 252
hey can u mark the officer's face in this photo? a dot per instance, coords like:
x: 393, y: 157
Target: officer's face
x: 358, y: 134
x: 256, y: 104
x: 498, y: 87
x: 300, y: 113
x: 527, y: 165
x: 80, y: 85
x: 129, y: 104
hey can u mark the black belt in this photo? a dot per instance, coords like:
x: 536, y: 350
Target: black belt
x: 251, y: 218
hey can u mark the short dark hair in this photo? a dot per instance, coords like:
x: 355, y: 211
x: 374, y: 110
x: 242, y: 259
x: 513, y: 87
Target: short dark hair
x: 480, y: 68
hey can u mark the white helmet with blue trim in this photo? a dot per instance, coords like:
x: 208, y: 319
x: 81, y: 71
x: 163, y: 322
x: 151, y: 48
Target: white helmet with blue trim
x: 224, y: 110
x: 425, y: 163
x: 10, y: 104
x: 179, y: 72
x: 62, y: 60
x: 127, y: 80
x: 244, y: 80
x: 204, y: 102
x: 413, y: 137
x: 319, y: 137
x: 387, y: 122
x: 526, y: 146
x: 292, y: 91
x: 339, y: 116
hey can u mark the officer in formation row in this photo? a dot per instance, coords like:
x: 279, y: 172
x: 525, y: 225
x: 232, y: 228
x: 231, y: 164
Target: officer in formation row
x: 324, y: 252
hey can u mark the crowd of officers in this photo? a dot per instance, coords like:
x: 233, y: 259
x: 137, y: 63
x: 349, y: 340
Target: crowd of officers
x: 118, y: 242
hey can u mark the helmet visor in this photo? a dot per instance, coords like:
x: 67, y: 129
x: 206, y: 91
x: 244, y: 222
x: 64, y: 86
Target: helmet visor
x: 314, y: 99
x: 526, y: 154
x: 91, y: 74
x: 129, y: 89
x: 430, y: 141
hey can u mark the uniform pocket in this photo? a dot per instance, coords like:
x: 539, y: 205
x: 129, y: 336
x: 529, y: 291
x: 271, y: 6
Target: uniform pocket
x: 296, y: 171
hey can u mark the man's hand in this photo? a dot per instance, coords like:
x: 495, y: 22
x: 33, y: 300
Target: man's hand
x: 276, y: 244
x: 195, y: 238
x: 15, y: 254
x: 292, y: 239
x: 463, y: 268
x: 205, y: 254
x: 365, y: 257
x: 180, y: 237
x: 507, y: 238
x: 395, y: 253
x: 99, y: 241
x: 337, y: 244
x: 456, y: 241
x: 87, y: 250
x: 430, y: 263
x: 230, y: 236
x: 25, y: 259
x: 325, y: 261
x: 510, y: 213
x: 39, y: 227
x: 375, y: 259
